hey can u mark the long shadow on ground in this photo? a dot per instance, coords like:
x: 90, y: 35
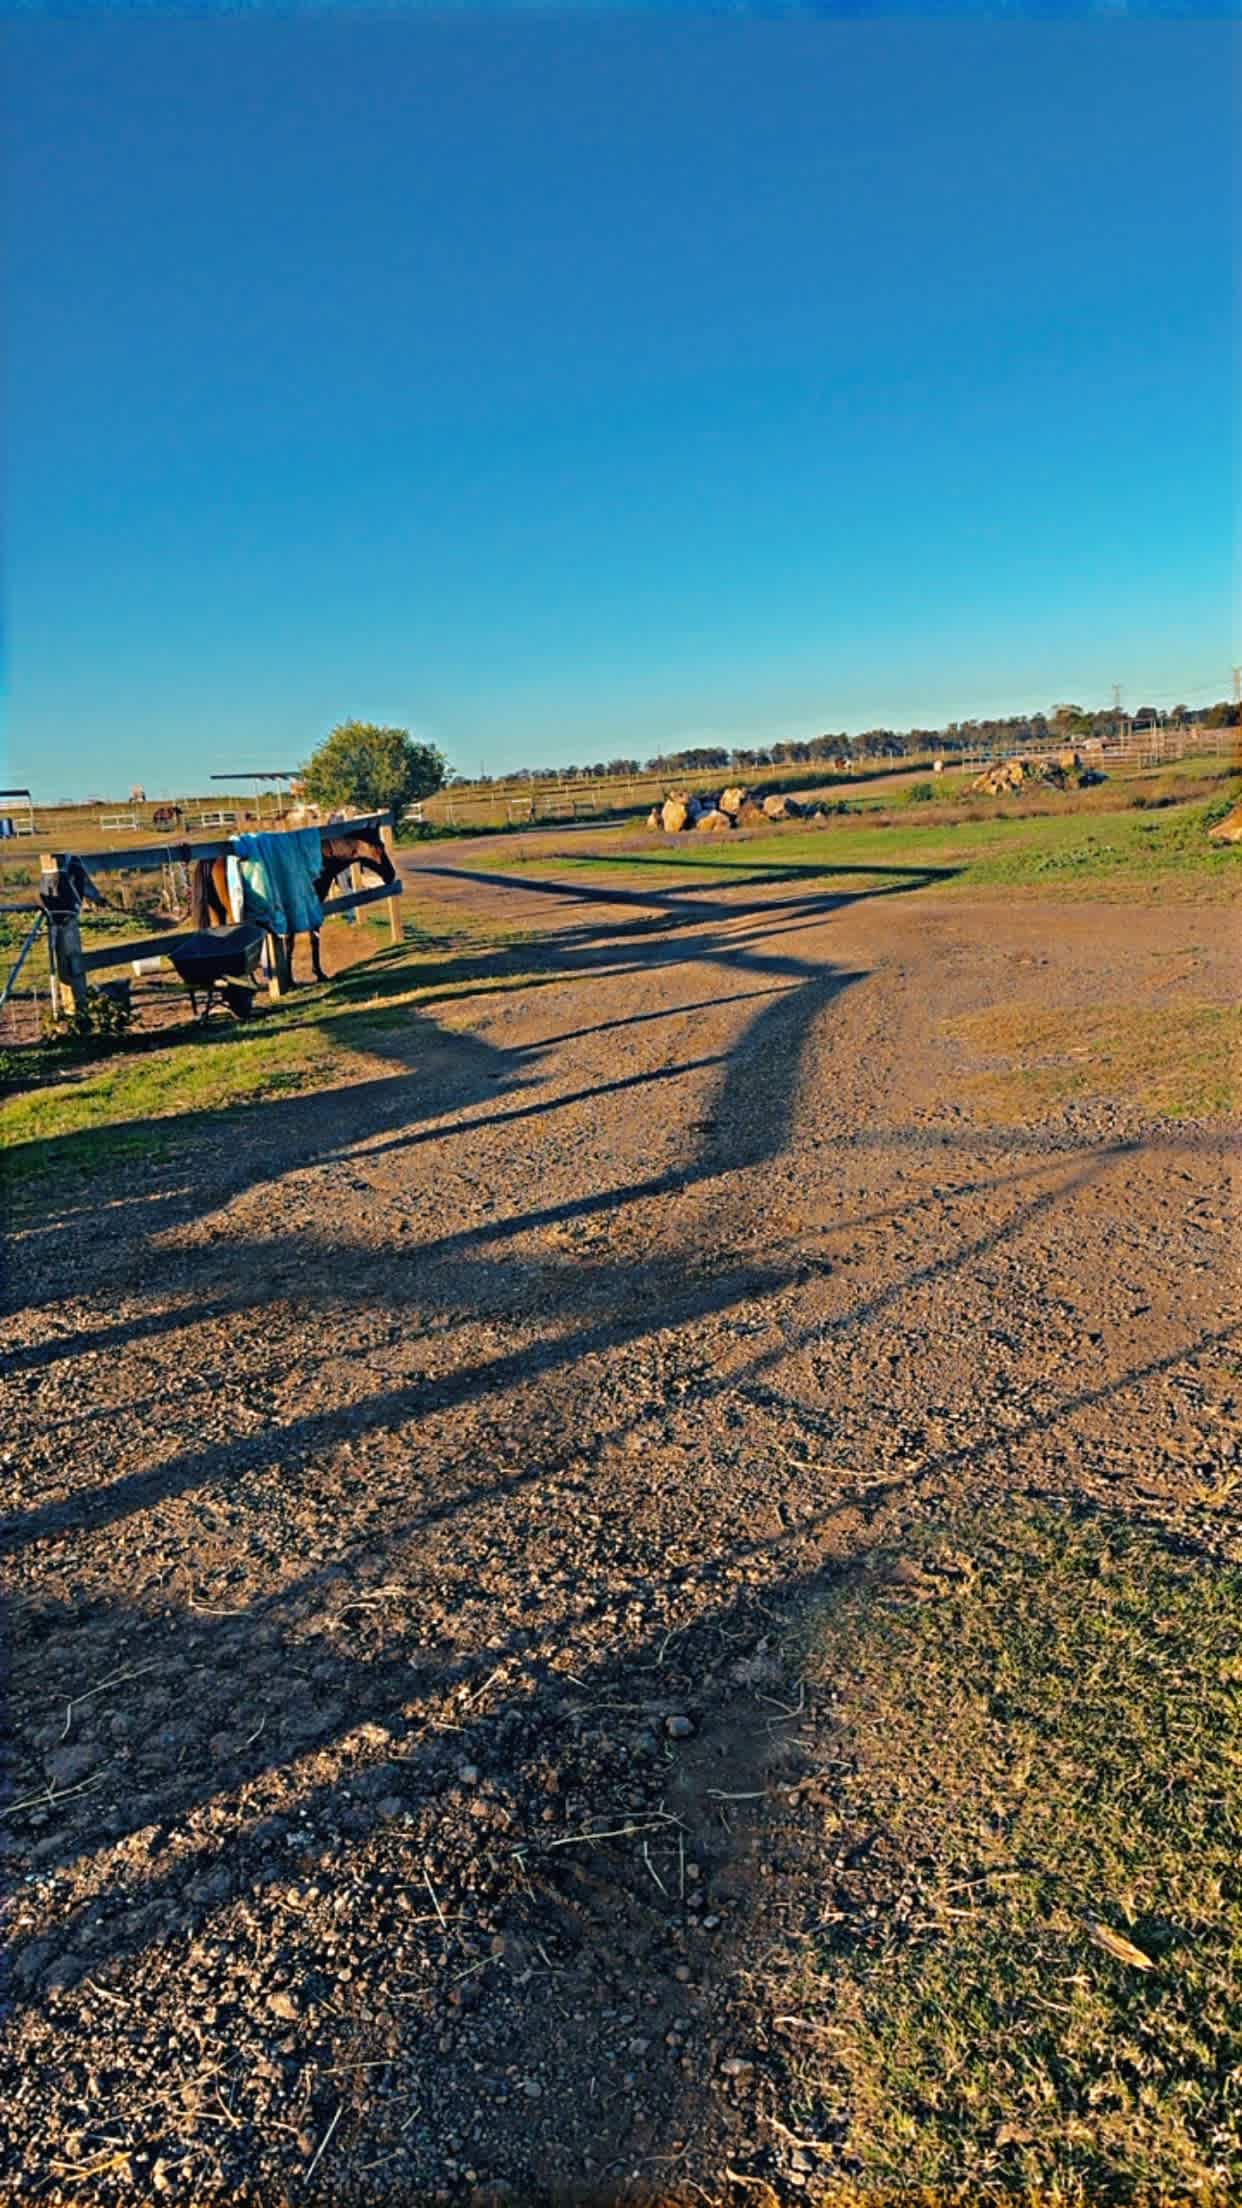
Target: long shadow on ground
x: 442, y: 1074
x: 312, y: 1745
x: 237, y: 1775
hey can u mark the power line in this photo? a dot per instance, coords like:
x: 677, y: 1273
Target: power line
x: 1182, y: 694
x: 1208, y: 686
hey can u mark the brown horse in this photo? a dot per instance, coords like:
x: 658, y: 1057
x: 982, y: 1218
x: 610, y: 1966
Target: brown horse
x: 209, y: 901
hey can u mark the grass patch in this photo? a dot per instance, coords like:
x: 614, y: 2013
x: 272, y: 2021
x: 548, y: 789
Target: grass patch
x: 1035, y: 1982
x: 131, y: 1105
x: 1174, y: 1061
x: 85, y: 1116
x: 1092, y: 843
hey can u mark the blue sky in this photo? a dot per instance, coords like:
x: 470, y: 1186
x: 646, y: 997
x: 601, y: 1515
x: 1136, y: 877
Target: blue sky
x: 567, y: 387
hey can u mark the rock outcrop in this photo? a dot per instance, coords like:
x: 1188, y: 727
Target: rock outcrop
x: 735, y: 807
x: 1067, y: 771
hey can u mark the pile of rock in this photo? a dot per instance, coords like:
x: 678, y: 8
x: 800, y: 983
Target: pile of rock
x: 732, y: 808
x: 1066, y: 772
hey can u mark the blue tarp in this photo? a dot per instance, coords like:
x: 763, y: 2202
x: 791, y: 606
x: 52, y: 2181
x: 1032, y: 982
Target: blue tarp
x: 278, y: 879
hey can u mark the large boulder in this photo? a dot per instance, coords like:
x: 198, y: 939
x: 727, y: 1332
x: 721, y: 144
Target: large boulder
x: 714, y: 823
x: 674, y: 815
x: 732, y: 801
x: 776, y: 806
x: 654, y: 819
x: 752, y: 815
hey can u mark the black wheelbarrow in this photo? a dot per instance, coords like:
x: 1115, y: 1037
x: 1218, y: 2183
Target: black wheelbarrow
x: 220, y: 963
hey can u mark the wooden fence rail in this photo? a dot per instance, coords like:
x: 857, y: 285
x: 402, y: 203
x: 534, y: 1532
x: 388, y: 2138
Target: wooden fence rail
x: 148, y: 858
x: 164, y: 946
x: 71, y: 963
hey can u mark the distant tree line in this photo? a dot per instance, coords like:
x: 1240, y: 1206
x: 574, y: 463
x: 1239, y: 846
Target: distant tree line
x: 1016, y: 732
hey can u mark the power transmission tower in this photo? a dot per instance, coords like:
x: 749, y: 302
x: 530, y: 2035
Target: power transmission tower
x: 1117, y: 698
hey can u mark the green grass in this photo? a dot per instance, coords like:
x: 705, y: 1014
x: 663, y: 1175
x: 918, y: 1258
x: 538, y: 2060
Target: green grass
x: 238, y: 1065
x: 1067, y: 850
x: 1036, y: 1740
x: 146, y: 1107
x: 76, y: 1116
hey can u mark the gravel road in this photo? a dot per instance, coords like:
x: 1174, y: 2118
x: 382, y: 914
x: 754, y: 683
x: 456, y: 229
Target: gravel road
x: 408, y: 1485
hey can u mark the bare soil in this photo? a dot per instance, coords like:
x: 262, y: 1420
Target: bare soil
x: 410, y: 1487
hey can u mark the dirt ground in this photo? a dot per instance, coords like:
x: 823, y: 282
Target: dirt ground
x: 409, y: 1487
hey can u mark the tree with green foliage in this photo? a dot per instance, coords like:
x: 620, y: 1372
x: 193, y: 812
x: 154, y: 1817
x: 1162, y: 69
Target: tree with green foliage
x: 1069, y: 721
x: 371, y: 769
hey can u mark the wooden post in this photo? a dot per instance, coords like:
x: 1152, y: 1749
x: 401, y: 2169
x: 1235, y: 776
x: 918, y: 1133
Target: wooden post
x: 64, y: 945
x: 47, y: 867
x: 279, y: 974
x: 393, y: 903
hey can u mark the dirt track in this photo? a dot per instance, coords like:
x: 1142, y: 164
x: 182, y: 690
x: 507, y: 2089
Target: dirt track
x: 386, y: 1467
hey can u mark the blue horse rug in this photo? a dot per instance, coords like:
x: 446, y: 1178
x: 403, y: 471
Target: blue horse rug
x: 278, y: 879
